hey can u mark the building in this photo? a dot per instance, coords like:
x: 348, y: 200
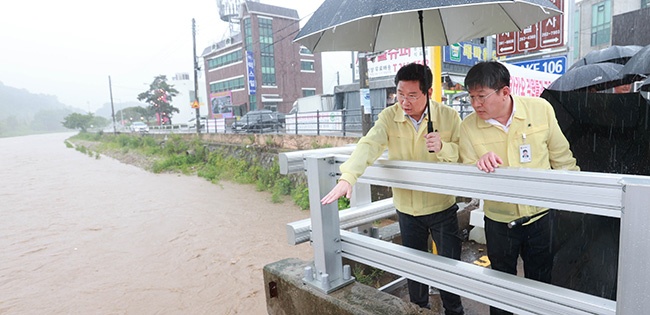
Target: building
x: 598, y: 24
x: 259, y: 66
x: 184, y: 84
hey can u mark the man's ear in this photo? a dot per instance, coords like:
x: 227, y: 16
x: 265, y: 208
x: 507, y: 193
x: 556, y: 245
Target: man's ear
x: 506, y: 90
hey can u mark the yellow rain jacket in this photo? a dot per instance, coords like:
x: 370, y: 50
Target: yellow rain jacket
x: 549, y: 149
x: 395, y: 132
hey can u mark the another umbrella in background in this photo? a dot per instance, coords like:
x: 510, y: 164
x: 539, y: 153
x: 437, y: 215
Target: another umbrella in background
x: 613, y: 54
x: 376, y: 25
x: 599, y: 76
x: 638, y: 64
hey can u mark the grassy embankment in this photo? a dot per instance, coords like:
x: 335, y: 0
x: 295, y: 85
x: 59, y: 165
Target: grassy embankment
x: 192, y: 157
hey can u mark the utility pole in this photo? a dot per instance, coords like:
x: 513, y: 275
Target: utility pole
x: 110, y: 89
x: 364, y: 90
x: 196, y: 80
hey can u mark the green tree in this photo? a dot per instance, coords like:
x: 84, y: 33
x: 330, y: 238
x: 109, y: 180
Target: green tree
x: 78, y: 121
x: 159, y: 97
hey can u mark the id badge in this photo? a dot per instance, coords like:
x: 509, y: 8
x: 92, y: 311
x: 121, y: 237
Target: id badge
x: 525, y: 153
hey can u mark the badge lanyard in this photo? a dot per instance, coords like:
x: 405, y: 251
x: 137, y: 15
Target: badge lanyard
x: 525, y: 154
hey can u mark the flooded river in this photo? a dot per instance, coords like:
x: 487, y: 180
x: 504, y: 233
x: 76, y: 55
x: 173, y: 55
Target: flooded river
x: 95, y: 236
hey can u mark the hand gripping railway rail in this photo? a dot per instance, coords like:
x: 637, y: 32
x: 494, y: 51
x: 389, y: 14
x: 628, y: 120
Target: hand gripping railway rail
x: 613, y: 195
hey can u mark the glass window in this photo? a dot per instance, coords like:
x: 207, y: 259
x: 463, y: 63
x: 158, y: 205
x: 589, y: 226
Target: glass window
x: 645, y: 4
x: 305, y: 51
x: 267, y: 52
x: 253, y: 102
x: 307, y: 65
x: 601, y: 17
x: 308, y: 92
x: 228, y: 85
x: 224, y: 60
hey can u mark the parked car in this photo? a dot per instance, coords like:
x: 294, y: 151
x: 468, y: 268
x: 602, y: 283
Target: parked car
x: 259, y: 121
x: 138, y: 126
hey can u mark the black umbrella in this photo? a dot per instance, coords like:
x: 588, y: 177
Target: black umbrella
x: 638, y: 64
x: 614, y: 54
x: 376, y: 25
x: 598, y: 76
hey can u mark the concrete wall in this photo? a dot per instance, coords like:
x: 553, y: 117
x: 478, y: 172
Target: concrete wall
x: 286, y: 294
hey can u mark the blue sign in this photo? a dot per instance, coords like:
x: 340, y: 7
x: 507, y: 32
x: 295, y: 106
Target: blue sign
x: 464, y: 53
x: 555, y: 65
x: 250, y: 64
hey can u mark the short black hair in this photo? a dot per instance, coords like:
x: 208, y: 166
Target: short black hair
x: 415, y: 72
x: 492, y: 74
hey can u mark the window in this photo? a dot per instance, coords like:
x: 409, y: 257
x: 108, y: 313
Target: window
x: 601, y: 17
x: 223, y: 60
x: 227, y: 85
x: 645, y: 4
x: 252, y: 100
x: 306, y: 65
x: 305, y: 51
x: 308, y: 92
x: 248, y: 30
x: 267, y: 51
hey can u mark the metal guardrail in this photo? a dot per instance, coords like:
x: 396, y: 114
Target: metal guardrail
x: 333, y: 123
x: 613, y: 195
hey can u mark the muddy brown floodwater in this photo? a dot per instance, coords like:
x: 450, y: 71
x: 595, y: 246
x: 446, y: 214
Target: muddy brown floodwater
x: 81, y: 235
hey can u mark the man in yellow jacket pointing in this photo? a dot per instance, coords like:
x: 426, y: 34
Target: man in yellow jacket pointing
x: 402, y: 129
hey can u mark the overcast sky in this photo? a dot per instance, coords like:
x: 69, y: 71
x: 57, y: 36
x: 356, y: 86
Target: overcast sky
x: 68, y: 48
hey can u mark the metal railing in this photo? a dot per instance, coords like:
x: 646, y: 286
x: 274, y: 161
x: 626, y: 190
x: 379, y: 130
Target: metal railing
x: 345, y: 122
x: 612, y: 195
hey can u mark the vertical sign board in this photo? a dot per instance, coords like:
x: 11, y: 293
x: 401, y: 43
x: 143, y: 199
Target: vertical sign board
x: 548, y: 33
x: 250, y: 65
x: 551, y: 30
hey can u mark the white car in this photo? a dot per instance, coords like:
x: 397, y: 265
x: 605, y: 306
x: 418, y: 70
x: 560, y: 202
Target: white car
x: 139, y: 126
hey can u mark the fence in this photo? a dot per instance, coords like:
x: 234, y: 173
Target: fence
x: 346, y: 122
x: 612, y: 195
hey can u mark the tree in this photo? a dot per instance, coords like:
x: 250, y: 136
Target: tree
x: 159, y: 97
x: 78, y: 121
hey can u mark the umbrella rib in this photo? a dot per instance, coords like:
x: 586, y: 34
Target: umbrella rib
x: 374, y: 42
x: 510, y: 17
x: 444, y: 30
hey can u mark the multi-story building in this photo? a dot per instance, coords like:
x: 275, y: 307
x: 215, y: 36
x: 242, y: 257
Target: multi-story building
x: 598, y: 24
x: 258, y: 66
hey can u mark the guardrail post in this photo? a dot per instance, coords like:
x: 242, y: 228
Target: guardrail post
x: 296, y: 120
x: 317, y: 122
x: 325, y: 227
x: 632, y: 285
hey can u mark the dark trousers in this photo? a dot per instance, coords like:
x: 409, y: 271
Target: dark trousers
x: 533, y: 242
x: 443, y: 227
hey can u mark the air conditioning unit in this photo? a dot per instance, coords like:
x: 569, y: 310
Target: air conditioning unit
x: 228, y: 41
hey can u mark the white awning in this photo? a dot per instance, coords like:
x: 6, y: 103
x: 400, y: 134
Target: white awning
x: 271, y: 99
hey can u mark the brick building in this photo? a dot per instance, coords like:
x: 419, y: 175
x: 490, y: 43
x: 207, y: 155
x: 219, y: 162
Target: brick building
x: 283, y: 71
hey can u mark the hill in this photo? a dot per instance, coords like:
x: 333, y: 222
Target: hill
x: 22, y: 112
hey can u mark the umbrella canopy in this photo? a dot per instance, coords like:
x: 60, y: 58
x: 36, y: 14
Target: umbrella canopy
x: 614, y: 54
x: 599, y: 76
x: 608, y: 132
x: 376, y: 25
x: 638, y: 64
